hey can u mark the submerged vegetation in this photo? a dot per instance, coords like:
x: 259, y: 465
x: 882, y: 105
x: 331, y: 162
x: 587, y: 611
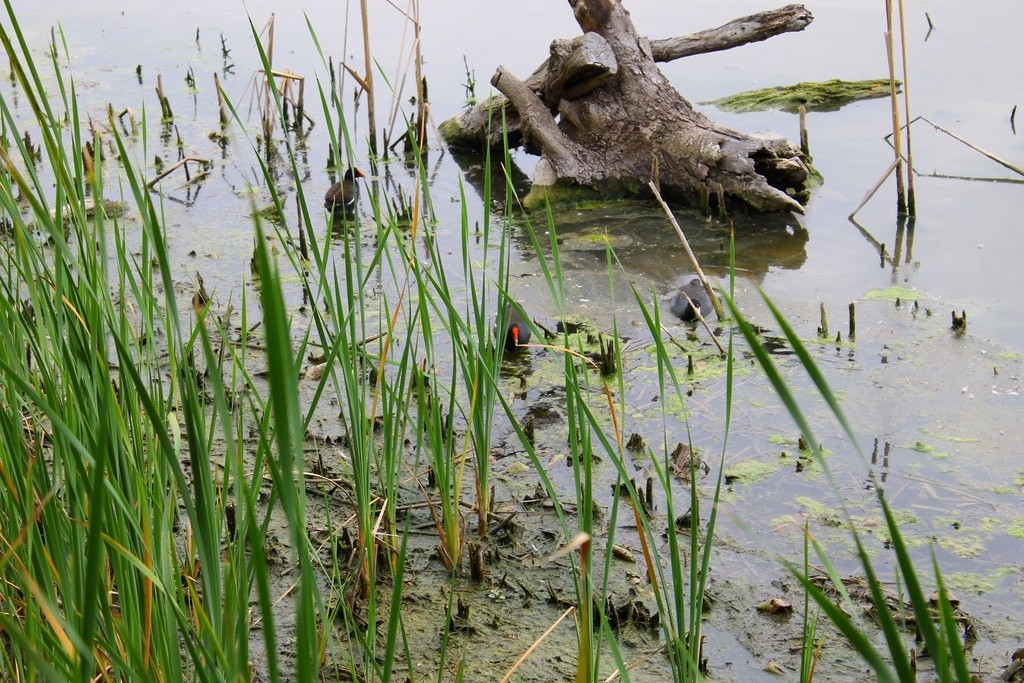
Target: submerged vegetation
x: 174, y: 507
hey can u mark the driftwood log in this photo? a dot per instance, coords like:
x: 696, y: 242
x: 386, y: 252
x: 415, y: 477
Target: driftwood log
x: 605, y: 119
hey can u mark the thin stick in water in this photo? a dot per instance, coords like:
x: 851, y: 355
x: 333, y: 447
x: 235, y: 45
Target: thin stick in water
x: 696, y: 311
x: 993, y: 157
x: 529, y: 651
x: 689, y: 252
x: 874, y: 188
x: 173, y: 167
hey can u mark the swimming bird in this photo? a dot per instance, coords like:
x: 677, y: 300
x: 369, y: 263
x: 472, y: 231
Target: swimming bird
x: 682, y: 308
x: 516, y: 332
x: 341, y: 197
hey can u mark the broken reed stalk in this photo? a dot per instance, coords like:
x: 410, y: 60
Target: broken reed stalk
x: 852, y: 333
x: 220, y: 101
x: 268, y: 119
x: 421, y: 86
x: 476, y: 562
x: 871, y: 193
x: 823, y: 330
x: 367, y: 79
x: 287, y: 78
x: 689, y: 252
x: 285, y: 92
x: 173, y: 167
x: 804, y: 146
x: 901, y: 198
x: 87, y: 160
x: 165, y: 105
x: 911, y: 200
x: 127, y: 111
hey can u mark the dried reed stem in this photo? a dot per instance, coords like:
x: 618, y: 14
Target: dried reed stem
x: 536, y: 644
x: 874, y: 189
x: 993, y: 157
x: 175, y: 166
x: 901, y: 197
x: 220, y: 101
x: 165, y: 105
x: 911, y: 202
x: 704, y: 322
x: 268, y: 120
x: 367, y: 79
x: 421, y: 86
x: 689, y: 252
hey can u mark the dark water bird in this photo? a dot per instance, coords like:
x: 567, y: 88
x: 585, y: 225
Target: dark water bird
x: 516, y: 331
x: 340, y: 199
x: 683, y: 308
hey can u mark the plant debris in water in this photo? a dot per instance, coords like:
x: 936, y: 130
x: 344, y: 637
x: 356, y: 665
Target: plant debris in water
x: 814, y: 96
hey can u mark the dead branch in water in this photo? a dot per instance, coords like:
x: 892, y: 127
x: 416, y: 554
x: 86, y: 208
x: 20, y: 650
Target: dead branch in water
x: 979, y: 150
x: 176, y: 165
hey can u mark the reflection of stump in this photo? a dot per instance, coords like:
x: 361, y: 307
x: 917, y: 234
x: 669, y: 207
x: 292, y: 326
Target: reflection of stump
x: 620, y: 122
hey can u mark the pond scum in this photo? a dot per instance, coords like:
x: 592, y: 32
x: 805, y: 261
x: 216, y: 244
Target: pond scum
x: 152, y: 453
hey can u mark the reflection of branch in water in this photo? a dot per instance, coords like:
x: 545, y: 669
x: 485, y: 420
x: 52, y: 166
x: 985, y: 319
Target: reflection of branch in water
x: 189, y: 200
x: 973, y: 178
x: 879, y: 247
x: 910, y: 238
x: 903, y: 227
x: 904, y: 232
x: 473, y: 168
x: 433, y: 175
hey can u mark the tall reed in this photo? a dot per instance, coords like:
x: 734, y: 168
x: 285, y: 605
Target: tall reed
x: 105, y: 576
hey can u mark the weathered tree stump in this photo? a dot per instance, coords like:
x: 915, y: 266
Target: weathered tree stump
x: 620, y: 123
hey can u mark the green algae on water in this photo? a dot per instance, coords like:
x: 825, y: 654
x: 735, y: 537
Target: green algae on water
x: 1016, y: 528
x: 750, y: 471
x: 967, y: 582
x: 819, y: 512
x: 892, y: 294
x: 812, y: 95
